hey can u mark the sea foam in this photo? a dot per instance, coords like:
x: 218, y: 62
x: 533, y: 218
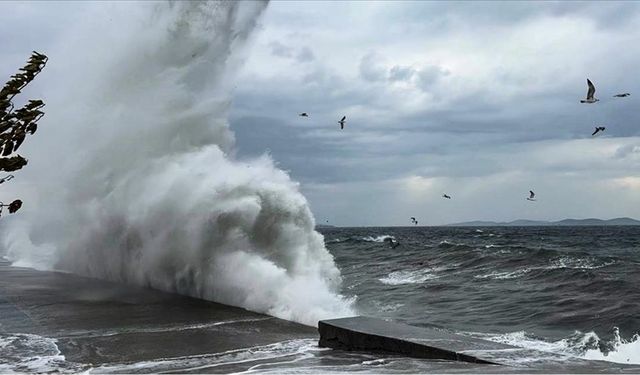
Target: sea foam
x: 133, y: 176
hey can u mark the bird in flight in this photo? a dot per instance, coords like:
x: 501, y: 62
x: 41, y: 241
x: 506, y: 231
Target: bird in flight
x: 598, y: 129
x: 414, y: 221
x: 621, y: 95
x: 341, y: 122
x: 531, y: 196
x: 590, y: 92
x: 446, y: 196
x: 303, y: 114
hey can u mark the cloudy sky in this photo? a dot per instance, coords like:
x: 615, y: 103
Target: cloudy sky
x: 476, y: 100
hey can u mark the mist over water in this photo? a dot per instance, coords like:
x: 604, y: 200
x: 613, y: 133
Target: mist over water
x: 133, y: 177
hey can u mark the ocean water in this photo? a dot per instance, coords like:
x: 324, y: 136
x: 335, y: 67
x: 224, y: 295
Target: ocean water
x: 572, y: 291
x: 568, y: 297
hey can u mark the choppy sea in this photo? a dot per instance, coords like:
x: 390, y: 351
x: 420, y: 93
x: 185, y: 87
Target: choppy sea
x: 568, y: 296
x: 573, y: 291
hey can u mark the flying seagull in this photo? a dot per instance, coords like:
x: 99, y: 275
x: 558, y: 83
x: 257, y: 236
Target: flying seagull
x: 341, y: 122
x: 621, y: 95
x: 303, y: 114
x: 598, y: 129
x: 414, y: 221
x: 531, y: 196
x: 446, y: 196
x: 592, y: 90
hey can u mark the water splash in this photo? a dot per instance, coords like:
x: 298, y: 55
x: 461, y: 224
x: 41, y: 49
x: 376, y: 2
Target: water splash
x: 26, y: 353
x: 585, y: 345
x: 617, y: 350
x: 408, y: 277
x: 146, y: 187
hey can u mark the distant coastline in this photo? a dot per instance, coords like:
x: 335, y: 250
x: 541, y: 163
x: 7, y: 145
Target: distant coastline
x: 325, y: 226
x: 566, y: 222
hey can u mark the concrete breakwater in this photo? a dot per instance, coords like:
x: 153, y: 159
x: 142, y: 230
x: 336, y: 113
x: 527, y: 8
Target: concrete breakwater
x: 370, y: 334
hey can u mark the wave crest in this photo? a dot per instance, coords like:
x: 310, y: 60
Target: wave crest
x: 155, y: 197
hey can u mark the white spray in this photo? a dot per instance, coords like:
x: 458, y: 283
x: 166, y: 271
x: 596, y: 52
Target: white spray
x: 132, y: 176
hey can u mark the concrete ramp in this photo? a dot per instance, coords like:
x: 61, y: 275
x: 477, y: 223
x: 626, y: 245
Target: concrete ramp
x: 377, y: 335
x: 102, y: 323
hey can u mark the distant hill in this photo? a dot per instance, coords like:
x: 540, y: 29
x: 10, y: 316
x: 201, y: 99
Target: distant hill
x: 325, y: 226
x: 565, y: 222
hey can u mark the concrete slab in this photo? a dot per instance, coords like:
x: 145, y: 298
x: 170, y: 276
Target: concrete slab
x: 98, y: 322
x: 371, y: 334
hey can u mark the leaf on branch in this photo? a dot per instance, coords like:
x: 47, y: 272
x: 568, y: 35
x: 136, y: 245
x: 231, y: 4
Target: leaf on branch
x: 15, y: 206
x: 31, y: 128
x: 13, y: 163
x: 8, y: 148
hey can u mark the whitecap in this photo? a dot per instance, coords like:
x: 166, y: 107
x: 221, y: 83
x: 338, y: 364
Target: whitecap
x: 578, y: 345
x: 375, y: 362
x: 381, y: 238
x: 27, y: 353
x: 387, y: 307
x: 504, y: 275
x: 578, y: 263
x: 407, y: 277
x: 446, y: 243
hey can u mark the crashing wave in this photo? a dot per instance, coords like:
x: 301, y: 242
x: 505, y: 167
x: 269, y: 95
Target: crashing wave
x: 153, y: 195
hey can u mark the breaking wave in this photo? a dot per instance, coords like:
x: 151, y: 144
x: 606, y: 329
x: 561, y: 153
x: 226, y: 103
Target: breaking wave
x: 618, y: 350
x: 382, y: 238
x: 26, y: 353
x: 145, y: 188
x: 495, y: 275
x: 408, y: 277
x: 356, y: 239
x: 580, y: 345
x: 579, y: 263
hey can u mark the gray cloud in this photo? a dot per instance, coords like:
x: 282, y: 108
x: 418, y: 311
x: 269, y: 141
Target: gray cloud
x: 280, y: 50
x: 305, y: 55
x: 424, y: 77
x: 371, y: 69
x: 430, y: 75
x: 401, y: 73
x: 301, y: 55
x: 627, y: 150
